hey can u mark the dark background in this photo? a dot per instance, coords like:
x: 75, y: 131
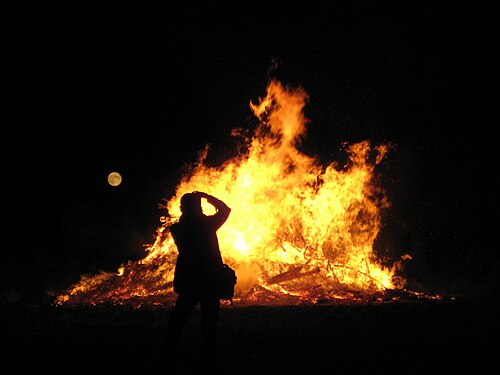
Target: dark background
x: 141, y: 88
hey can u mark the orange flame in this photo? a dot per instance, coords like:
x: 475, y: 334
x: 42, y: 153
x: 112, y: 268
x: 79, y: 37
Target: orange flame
x: 298, y: 231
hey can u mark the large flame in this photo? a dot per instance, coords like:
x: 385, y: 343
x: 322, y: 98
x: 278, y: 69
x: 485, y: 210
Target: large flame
x: 298, y: 231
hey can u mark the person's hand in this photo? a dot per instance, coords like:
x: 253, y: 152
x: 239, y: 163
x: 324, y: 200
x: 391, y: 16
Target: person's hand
x: 201, y: 194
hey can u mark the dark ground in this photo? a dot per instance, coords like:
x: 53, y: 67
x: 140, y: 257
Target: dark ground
x: 424, y: 337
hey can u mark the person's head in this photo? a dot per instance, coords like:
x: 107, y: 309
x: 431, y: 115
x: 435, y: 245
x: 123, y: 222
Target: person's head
x: 191, y: 204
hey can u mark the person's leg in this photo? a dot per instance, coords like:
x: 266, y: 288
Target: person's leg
x: 183, y: 307
x: 209, y: 309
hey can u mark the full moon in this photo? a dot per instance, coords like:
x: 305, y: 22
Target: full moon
x: 114, y: 179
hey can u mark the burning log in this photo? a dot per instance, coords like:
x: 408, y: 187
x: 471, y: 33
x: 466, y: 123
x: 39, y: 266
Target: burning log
x: 291, y: 274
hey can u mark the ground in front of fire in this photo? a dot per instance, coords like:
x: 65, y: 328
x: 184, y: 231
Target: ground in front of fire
x: 429, y: 336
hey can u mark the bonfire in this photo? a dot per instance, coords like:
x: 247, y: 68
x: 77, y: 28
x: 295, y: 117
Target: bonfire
x: 299, y: 231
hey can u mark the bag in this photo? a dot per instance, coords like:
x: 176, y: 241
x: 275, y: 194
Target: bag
x: 227, y: 281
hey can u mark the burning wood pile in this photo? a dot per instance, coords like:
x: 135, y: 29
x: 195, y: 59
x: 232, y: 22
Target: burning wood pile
x: 299, y: 232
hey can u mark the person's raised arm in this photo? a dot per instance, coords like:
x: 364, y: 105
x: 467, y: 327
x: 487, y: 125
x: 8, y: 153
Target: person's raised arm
x: 223, y: 210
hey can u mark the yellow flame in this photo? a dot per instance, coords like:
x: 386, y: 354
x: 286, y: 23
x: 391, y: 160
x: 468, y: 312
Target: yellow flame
x: 297, y: 228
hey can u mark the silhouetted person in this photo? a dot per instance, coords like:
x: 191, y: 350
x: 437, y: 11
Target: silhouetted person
x: 198, y: 264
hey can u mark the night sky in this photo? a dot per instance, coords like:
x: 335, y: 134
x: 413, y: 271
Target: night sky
x: 142, y: 88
